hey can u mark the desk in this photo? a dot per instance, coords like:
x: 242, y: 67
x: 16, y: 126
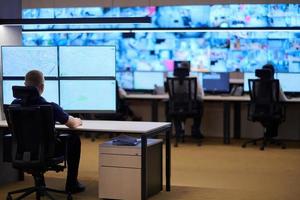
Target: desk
x: 226, y: 100
x: 154, y: 98
x: 145, y: 129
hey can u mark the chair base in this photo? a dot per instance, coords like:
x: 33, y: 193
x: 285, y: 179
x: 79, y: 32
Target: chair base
x: 39, y: 189
x: 265, y: 142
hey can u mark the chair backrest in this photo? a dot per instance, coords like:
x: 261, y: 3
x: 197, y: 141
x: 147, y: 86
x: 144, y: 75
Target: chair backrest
x: 32, y: 128
x: 264, y: 104
x: 183, y: 94
x: 33, y: 134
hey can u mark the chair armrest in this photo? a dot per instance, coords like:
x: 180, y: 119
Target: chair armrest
x: 7, y: 147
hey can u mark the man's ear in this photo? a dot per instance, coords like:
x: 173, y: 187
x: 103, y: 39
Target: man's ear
x: 42, y: 86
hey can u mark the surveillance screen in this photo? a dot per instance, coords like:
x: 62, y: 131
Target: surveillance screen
x: 17, y: 61
x: 87, y: 61
x: 50, y: 92
x: 248, y: 76
x: 289, y: 82
x: 216, y: 82
x: 88, y: 95
x: 148, y: 80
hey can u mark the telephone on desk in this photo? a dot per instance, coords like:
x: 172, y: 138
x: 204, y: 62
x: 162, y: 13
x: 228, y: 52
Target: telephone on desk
x: 236, y: 91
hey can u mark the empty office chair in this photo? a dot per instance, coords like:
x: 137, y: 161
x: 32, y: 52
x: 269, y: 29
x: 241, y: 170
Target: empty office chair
x: 265, y: 107
x: 33, y: 142
x: 182, y: 103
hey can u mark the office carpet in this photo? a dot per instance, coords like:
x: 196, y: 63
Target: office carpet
x: 213, y: 171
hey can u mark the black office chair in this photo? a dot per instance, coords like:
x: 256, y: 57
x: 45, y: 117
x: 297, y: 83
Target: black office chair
x: 182, y: 102
x: 265, y: 107
x: 33, y: 142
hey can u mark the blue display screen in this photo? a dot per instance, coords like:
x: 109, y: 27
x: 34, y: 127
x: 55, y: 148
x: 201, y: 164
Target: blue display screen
x: 90, y: 95
x: 289, y: 82
x: 213, y: 50
x: 148, y: 80
x: 50, y: 90
x: 17, y: 61
x: 248, y: 76
x: 87, y: 61
x: 215, y: 82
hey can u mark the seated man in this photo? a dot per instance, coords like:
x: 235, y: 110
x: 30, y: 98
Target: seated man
x: 197, y: 118
x: 35, y: 78
x: 272, y: 130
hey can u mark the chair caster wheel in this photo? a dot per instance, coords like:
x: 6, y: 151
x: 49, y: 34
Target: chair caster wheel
x: 8, y: 197
x: 283, y: 147
x: 175, y: 145
x: 244, y: 146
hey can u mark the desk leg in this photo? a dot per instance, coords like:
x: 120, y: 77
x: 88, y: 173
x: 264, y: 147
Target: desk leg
x: 168, y: 160
x: 226, y: 122
x: 154, y: 111
x: 144, y: 192
x: 237, y: 120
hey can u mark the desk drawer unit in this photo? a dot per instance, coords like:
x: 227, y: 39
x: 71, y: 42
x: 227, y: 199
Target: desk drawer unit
x: 120, y: 170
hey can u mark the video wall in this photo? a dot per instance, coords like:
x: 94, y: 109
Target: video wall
x: 76, y: 77
x: 209, y: 50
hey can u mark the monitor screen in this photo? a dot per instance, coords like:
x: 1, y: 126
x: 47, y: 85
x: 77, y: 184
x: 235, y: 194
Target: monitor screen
x: 87, y: 61
x: 50, y: 91
x: 147, y: 80
x: 289, y: 82
x: 88, y: 95
x: 215, y: 82
x: 17, y: 61
x: 248, y: 76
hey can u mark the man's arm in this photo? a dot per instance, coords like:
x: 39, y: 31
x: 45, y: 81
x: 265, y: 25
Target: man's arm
x: 73, y: 122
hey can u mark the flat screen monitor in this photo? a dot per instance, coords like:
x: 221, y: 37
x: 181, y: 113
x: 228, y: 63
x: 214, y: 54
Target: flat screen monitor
x: 17, y: 61
x: 248, y: 76
x: 198, y: 75
x: 75, y: 61
x: 289, y: 82
x: 50, y: 91
x: 147, y: 80
x: 215, y: 82
x: 88, y: 95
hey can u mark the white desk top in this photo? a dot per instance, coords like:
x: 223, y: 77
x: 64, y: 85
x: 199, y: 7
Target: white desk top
x: 205, y: 98
x: 113, y: 126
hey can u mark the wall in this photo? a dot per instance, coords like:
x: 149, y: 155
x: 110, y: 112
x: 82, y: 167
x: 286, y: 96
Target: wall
x: 9, y: 35
x: 128, y: 3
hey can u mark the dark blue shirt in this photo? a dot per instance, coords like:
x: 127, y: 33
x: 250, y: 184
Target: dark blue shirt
x: 59, y: 114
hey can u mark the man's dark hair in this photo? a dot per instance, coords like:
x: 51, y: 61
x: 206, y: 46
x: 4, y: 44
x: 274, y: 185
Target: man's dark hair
x: 34, y: 78
x: 271, y: 68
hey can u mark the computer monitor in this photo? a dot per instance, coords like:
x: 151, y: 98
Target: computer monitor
x: 200, y: 78
x: 289, y: 82
x: 96, y: 96
x: 18, y: 60
x: 182, y: 68
x: 50, y: 91
x: 198, y: 75
x: 216, y: 82
x: 147, y: 80
x: 91, y: 61
x: 248, y: 76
